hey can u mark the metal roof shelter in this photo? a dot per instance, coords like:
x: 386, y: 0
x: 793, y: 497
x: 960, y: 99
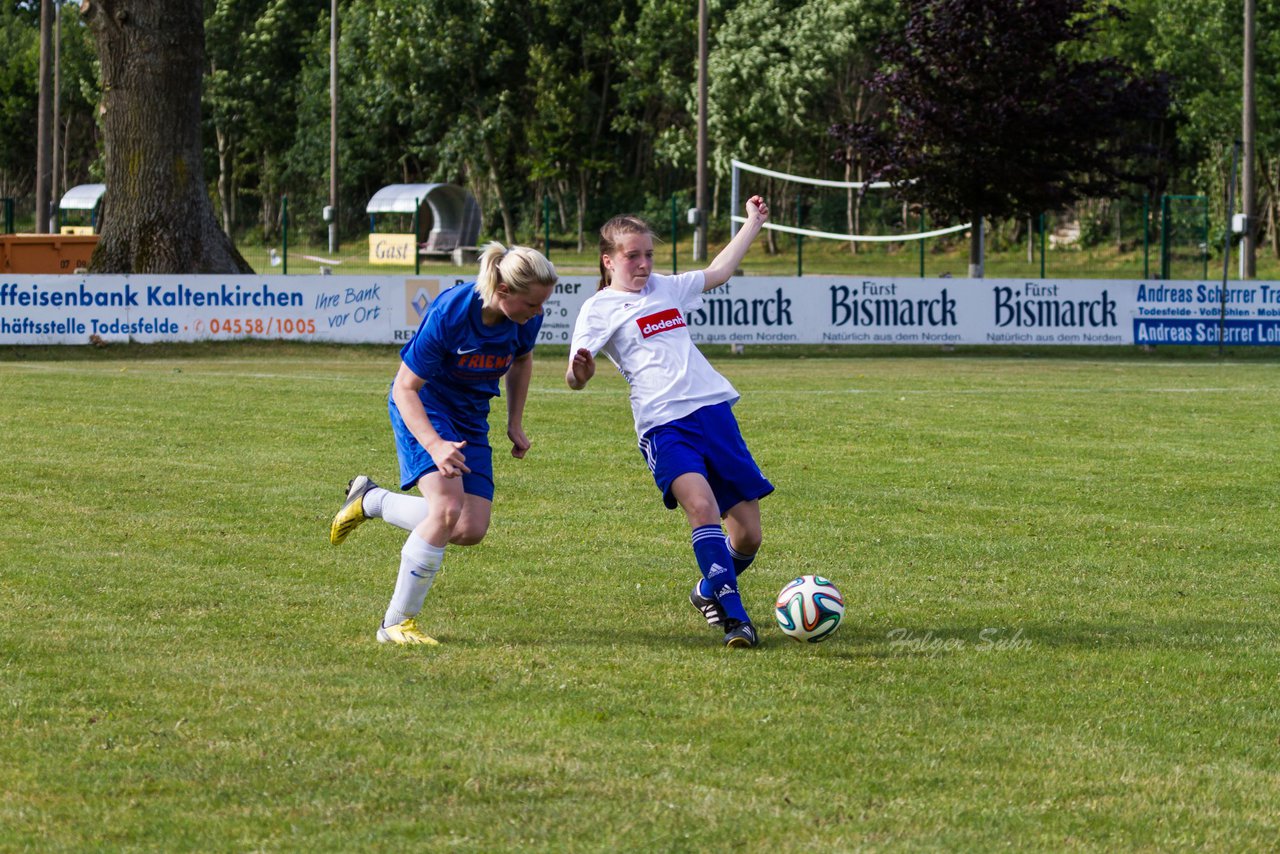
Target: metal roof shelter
x: 454, y: 216
x: 84, y: 197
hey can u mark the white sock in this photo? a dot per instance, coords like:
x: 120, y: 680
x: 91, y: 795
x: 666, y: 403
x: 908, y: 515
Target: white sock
x: 403, y: 511
x: 419, y: 563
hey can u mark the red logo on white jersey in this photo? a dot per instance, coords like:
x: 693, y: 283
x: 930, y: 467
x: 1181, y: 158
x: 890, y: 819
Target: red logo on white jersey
x: 663, y: 321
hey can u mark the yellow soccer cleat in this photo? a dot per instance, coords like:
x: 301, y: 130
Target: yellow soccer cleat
x: 352, y: 513
x: 405, y: 634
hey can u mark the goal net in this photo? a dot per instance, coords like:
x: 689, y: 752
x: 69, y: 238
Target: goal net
x: 831, y: 210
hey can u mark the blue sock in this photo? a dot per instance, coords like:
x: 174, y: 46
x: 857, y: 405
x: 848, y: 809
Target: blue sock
x: 712, y: 551
x: 740, y: 564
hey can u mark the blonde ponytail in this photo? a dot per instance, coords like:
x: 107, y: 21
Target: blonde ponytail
x: 519, y: 267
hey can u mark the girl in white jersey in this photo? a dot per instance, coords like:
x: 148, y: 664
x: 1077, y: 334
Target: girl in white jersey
x: 682, y: 406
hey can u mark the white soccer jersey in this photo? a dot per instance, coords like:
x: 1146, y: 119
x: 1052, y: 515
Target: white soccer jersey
x: 644, y: 334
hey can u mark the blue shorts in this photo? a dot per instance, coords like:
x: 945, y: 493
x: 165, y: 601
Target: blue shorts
x: 415, y: 462
x: 708, y: 442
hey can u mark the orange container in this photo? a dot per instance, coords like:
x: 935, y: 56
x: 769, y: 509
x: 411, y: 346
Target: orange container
x: 45, y: 253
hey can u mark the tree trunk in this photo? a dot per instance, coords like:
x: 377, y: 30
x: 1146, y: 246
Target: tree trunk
x: 562, y: 187
x: 1272, y: 201
x: 491, y: 163
x: 582, y: 210
x: 66, y: 141
x: 160, y: 219
x: 267, y: 188
x: 770, y: 236
x: 852, y: 199
x: 224, y: 176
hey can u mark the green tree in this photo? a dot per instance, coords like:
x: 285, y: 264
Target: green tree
x: 79, y: 147
x: 255, y: 51
x: 1199, y: 45
x: 571, y: 71
x: 19, y: 60
x: 656, y: 46
x: 468, y: 62
x: 995, y: 112
x: 782, y: 72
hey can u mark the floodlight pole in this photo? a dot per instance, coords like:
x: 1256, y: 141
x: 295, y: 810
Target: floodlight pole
x: 333, y: 126
x: 55, y: 194
x: 1248, y: 247
x: 44, y: 133
x: 700, y: 227
x: 1226, y: 246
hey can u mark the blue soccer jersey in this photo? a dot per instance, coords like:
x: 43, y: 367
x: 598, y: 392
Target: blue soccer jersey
x: 462, y: 360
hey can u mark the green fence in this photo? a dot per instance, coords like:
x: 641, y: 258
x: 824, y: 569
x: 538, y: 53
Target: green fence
x: 1184, y: 237
x: 1127, y: 238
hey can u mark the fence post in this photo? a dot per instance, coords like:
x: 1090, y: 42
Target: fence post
x: 1204, y: 254
x: 799, y: 239
x: 922, y: 242
x: 1164, y: 237
x: 1042, y: 245
x: 1146, y: 235
x: 8, y: 216
x: 284, y: 230
x: 674, y: 234
x: 417, y: 256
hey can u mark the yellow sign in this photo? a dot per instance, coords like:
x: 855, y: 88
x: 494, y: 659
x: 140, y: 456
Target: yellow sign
x: 77, y: 229
x: 392, y: 248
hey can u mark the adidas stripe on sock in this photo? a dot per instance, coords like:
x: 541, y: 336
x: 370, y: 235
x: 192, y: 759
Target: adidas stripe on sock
x: 740, y: 564
x: 716, y: 565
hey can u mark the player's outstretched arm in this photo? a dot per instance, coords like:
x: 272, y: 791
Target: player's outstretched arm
x: 731, y: 256
x: 582, y: 367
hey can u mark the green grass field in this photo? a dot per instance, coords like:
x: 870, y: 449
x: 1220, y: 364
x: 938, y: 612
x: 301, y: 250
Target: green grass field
x: 1060, y: 572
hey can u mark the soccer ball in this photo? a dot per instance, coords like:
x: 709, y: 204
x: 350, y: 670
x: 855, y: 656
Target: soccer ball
x: 809, y: 609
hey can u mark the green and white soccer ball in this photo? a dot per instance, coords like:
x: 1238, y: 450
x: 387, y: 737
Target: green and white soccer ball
x: 809, y: 609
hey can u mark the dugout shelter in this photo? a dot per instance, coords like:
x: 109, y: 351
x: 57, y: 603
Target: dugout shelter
x: 429, y: 219
x: 80, y: 210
